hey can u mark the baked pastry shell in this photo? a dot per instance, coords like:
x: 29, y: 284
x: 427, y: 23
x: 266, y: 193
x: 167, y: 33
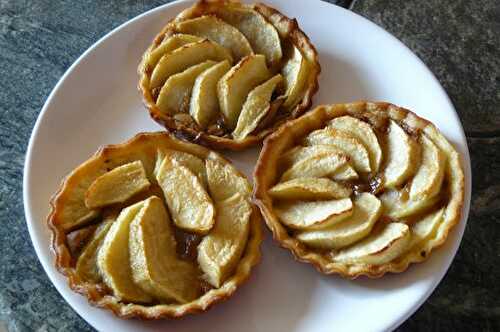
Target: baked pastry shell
x: 291, y: 133
x: 286, y: 27
x: 139, y: 146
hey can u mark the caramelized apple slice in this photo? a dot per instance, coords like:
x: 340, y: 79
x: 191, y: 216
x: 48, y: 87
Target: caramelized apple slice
x: 321, y: 165
x: 295, y: 71
x: 224, y: 180
x: 309, y: 188
x: 429, y: 175
x: 256, y: 106
x: 378, y: 248
x: 347, y: 143
x: 234, y: 86
x: 117, y: 185
x: 313, y: 214
x: 195, y: 164
x: 345, y: 173
x: 113, y: 258
x: 217, y: 30
x: 86, y: 265
x: 175, y: 95
x: 186, y: 56
x: 204, y: 105
x: 367, y: 210
x: 219, y: 252
x: 402, y: 156
x: 155, y: 266
x: 168, y: 45
x: 364, y: 133
x: 424, y: 228
x: 398, y: 205
x: 189, y: 204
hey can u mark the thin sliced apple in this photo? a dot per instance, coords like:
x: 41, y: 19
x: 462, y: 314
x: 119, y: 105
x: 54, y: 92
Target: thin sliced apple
x: 309, y: 188
x: 296, y: 72
x: 322, y: 165
x: 155, y: 266
x: 204, y: 105
x: 168, y: 45
x: 345, y: 173
x: 175, y: 95
x: 261, y: 34
x: 313, y: 214
x: 113, y: 258
x: 364, y: 133
x: 367, y: 210
x: 234, y: 86
x: 217, y: 30
x: 117, y: 185
x: 398, y: 205
x: 186, y: 56
x: 86, y: 265
x: 219, y: 252
x: 189, y: 204
x: 256, y: 106
x: 224, y: 181
x: 424, y: 228
x: 195, y: 164
x: 378, y: 248
x: 401, y: 154
x: 430, y: 174
x: 350, y: 145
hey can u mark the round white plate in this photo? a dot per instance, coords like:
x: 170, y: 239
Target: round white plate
x: 96, y: 102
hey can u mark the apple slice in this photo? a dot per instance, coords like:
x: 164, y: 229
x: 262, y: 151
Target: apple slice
x: 344, y: 141
x: 296, y: 72
x: 217, y: 30
x: 313, y: 214
x: 204, y: 105
x: 189, y: 204
x: 256, y: 106
x: 113, y: 259
x: 367, y: 210
x: 309, y: 188
x: 234, y: 86
x: 378, y: 248
x: 429, y: 175
x: 168, y: 45
x: 195, y: 164
x: 219, y: 252
x: 424, y: 228
x: 155, y: 266
x: 345, y: 173
x: 402, y: 156
x: 117, y: 185
x: 175, y: 95
x: 321, y: 165
x: 364, y: 133
x: 186, y: 56
x: 224, y: 180
x: 397, y: 205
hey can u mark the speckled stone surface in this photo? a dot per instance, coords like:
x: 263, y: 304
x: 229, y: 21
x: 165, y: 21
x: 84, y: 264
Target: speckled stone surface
x: 458, y: 39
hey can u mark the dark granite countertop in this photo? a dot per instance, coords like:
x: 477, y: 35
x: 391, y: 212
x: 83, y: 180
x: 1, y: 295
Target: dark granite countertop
x: 458, y: 39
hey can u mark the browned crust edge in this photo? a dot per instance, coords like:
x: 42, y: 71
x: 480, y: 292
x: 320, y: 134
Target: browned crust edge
x: 286, y: 28
x: 94, y: 293
x: 283, y: 138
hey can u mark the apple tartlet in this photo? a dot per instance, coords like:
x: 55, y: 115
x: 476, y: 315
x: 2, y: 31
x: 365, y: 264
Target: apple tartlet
x: 359, y: 189
x: 155, y: 227
x: 226, y: 74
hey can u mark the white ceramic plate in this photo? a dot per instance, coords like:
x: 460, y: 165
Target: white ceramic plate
x: 96, y: 102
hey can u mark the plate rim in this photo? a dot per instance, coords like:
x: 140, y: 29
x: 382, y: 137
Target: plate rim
x: 460, y: 227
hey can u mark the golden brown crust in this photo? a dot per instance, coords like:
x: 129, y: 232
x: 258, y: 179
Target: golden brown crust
x: 144, y: 144
x: 287, y: 29
x: 288, y: 135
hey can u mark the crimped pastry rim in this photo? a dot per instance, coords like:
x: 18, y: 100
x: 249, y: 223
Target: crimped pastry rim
x: 249, y: 259
x: 275, y: 144
x: 285, y: 26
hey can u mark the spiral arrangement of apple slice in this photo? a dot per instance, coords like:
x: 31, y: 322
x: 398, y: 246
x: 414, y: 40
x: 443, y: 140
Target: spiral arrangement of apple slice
x: 365, y: 193
x: 150, y: 211
x: 224, y: 69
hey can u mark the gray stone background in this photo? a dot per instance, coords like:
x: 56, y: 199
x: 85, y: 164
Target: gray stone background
x: 458, y: 39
